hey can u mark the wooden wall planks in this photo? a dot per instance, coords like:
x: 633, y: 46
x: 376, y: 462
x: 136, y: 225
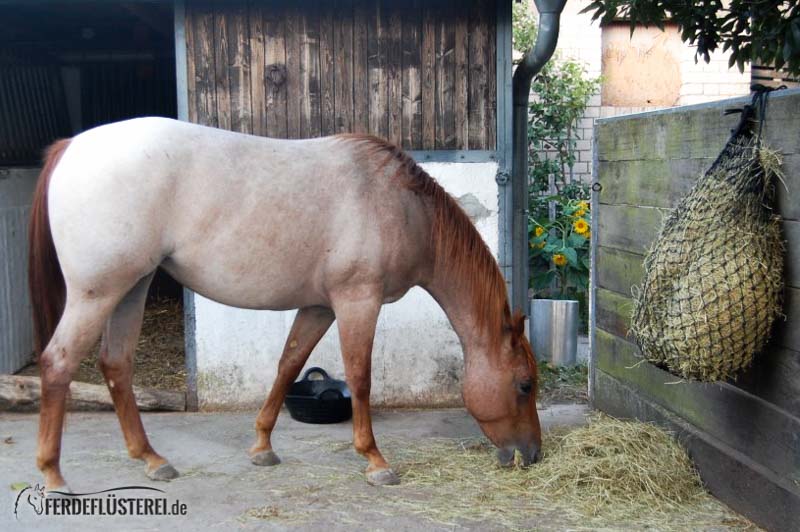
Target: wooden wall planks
x: 420, y: 74
x: 646, y: 164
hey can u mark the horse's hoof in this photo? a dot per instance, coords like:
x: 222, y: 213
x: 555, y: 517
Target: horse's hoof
x: 62, y: 492
x: 265, y: 458
x: 163, y: 472
x: 382, y: 477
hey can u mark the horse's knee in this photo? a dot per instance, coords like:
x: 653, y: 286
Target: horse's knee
x: 108, y: 365
x: 360, y: 388
x: 55, y: 369
x: 363, y: 444
x: 46, y: 462
x: 114, y: 366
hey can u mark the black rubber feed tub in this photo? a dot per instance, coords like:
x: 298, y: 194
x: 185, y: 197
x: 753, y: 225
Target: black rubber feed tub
x: 322, y: 400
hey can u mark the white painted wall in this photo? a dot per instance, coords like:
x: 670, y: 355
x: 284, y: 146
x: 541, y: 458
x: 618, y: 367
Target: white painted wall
x: 417, y: 359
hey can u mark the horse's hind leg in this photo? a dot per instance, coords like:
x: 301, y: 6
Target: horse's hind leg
x: 309, y: 326
x: 78, y: 329
x: 116, y: 362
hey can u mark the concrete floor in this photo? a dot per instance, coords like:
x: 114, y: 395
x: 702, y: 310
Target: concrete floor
x: 221, y: 488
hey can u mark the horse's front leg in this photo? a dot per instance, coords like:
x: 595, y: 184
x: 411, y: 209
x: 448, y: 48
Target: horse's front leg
x: 356, y: 317
x: 309, y: 326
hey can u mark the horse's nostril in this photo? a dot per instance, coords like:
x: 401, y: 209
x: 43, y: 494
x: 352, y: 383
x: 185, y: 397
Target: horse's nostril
x: 505, y: 456
x: 530, y: 454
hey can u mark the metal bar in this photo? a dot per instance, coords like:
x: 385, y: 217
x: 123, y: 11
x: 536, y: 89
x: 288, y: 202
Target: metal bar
x: 181, y: 59
x: 503, y: 58
x: 189, y: 321
x: 454, y: 156
x: 730, y: 102
x: 595, y: 210
x: 532, y: 62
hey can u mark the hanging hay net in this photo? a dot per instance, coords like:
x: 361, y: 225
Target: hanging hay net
x: 713, y: 278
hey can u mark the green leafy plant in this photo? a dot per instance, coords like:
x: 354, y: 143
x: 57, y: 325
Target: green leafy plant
x: 559, y: 248
x: 763, y: 31
x: 561, y: 93
x: 523, y: 30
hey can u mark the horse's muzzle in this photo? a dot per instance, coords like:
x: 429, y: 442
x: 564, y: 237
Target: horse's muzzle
x: 529, y: 454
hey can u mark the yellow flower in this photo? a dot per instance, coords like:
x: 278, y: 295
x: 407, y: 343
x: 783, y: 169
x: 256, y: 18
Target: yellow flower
x: 584, y: 205
x: 541, y: 245
x: 580, y: 226
x: 539, y: 231
x: 559, y: 259
x: 580, y: 212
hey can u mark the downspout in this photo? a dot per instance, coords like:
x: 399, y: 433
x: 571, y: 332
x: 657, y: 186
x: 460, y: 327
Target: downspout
x: 531, y: 64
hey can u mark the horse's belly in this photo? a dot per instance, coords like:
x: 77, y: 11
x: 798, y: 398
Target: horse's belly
x: 271, y: 279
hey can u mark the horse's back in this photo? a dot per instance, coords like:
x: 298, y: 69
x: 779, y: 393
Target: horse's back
x: 249, y: 221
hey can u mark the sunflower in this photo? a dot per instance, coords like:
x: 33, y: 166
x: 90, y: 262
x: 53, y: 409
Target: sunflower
x: 539, y: 231
x: 559, y: 259
x: 580, y: 226
x: 579, y: 213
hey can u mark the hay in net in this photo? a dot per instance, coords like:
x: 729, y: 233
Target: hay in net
x: 713, y: 277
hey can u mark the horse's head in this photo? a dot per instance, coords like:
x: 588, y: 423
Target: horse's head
x: 500, y: 393
x: 36, y: 499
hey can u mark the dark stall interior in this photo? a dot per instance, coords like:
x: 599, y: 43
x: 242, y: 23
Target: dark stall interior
x: 68, y: 66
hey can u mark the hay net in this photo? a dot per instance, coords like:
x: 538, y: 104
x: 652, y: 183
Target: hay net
x: 713, y: 278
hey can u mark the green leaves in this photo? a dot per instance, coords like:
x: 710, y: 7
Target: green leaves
x: 572, y: 256
x: 559, y: 255
x: 560, y: 94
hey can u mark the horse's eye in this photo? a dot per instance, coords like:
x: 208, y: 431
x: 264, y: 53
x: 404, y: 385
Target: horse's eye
x: 525, y: 387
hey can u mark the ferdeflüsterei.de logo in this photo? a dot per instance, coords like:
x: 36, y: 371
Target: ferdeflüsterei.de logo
x: 122, y: 501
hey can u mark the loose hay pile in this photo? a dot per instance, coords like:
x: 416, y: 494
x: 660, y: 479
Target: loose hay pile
x: 713, y: 277
x: 610, y: 474
x: 606, y: 474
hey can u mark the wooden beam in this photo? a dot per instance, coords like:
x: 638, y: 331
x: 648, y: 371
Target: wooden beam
x: 759, y: 493
x: 158, y: 24
x: 22, y: 394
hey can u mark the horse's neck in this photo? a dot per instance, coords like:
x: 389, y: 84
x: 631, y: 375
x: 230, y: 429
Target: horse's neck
x: 457, y: 305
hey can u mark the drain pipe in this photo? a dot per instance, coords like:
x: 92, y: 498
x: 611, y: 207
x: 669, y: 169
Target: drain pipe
x: 531, y: 64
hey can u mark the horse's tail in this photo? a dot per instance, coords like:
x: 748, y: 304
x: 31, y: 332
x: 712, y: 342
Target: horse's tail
x: 45, y: 279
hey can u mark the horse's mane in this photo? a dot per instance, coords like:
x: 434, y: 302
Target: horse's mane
x: 459, y: 251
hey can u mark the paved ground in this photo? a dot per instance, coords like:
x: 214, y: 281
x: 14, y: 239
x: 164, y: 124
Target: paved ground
x: 220, y: 487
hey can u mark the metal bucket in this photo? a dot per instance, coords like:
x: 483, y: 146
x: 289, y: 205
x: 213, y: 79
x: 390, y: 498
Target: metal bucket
x: 554, y: 330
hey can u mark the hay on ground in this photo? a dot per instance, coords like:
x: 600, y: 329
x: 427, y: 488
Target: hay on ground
x: 610, y: 474
x: 611, y: 470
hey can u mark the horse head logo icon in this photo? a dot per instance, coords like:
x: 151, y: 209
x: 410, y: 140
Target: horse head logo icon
x: 35, y: 496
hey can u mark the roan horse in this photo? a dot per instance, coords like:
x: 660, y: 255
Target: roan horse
x: 334, y: 227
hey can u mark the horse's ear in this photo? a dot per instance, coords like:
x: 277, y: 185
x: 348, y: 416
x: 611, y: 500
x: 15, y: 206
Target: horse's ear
x: 517, y: 326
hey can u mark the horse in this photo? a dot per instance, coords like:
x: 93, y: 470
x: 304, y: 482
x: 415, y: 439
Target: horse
x: 334, y: 227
